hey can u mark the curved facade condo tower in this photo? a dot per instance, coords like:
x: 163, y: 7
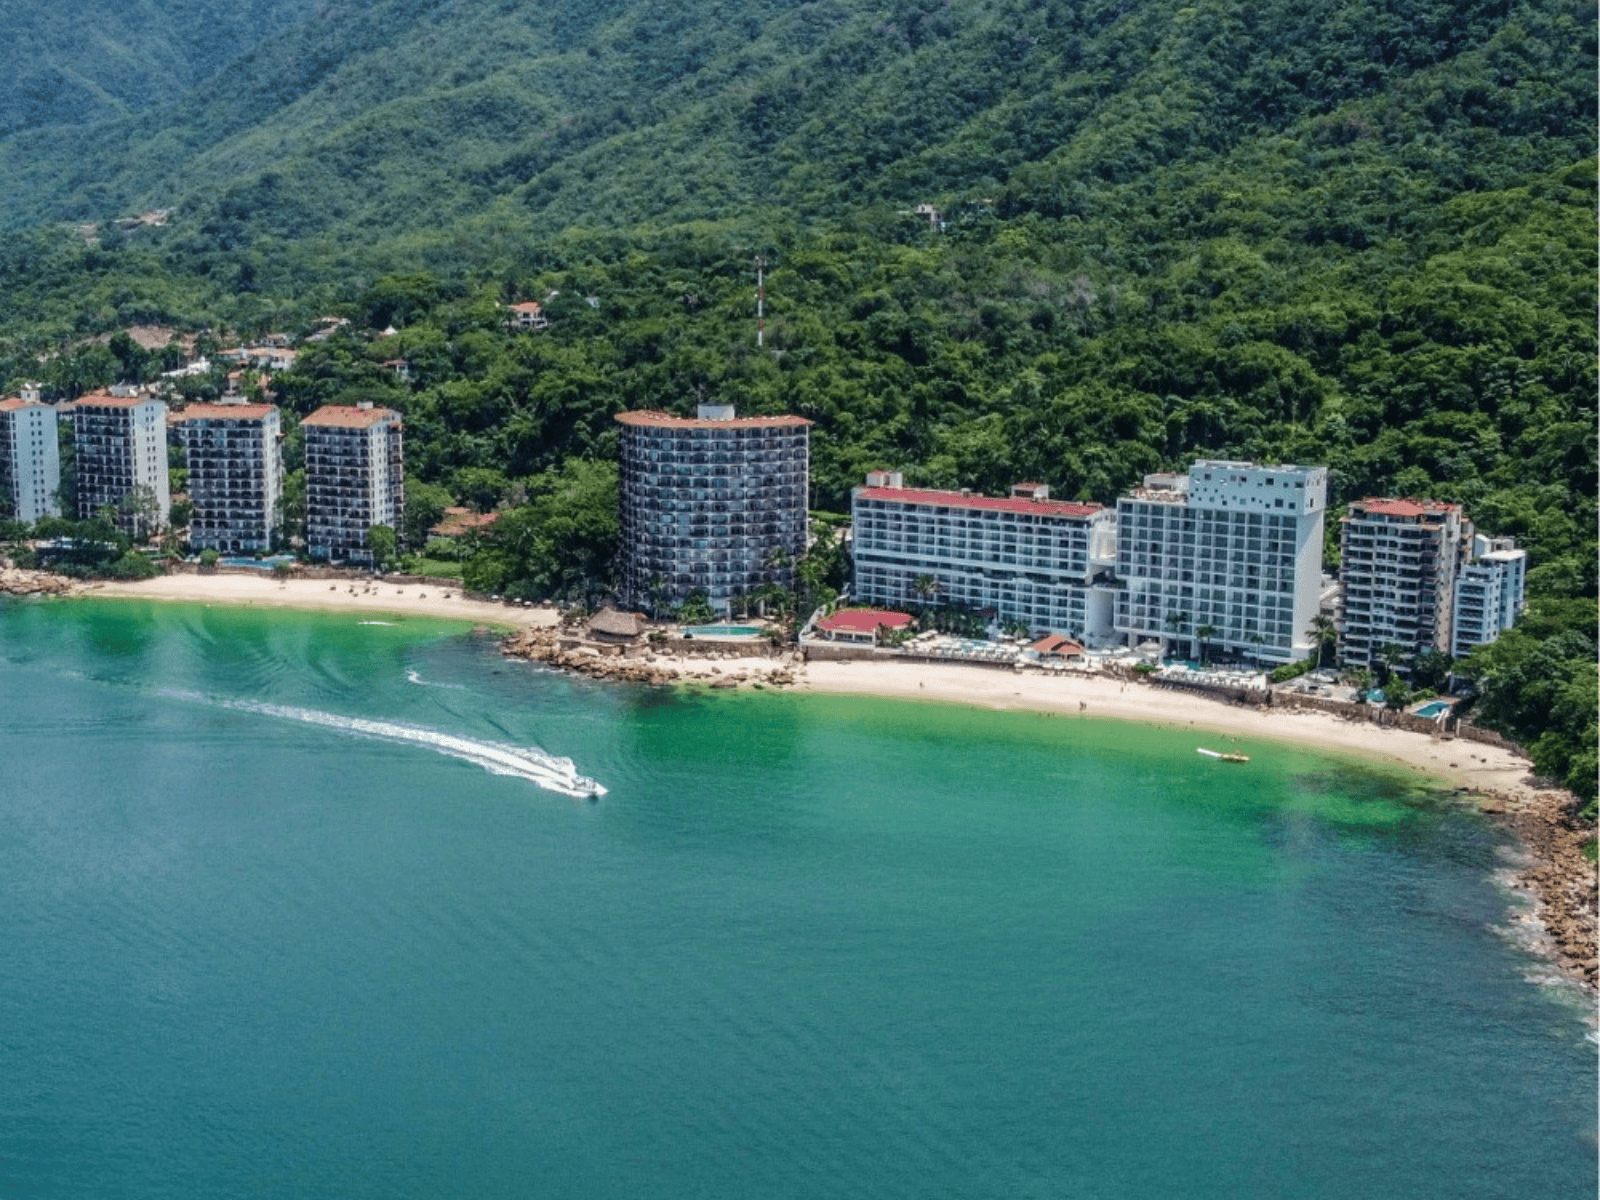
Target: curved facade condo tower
x: 713, y: 502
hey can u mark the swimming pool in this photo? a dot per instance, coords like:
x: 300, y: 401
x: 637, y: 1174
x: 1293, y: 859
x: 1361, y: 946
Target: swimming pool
x: 263, y: 564
x: 723, y: 631
x: 1433, y: 708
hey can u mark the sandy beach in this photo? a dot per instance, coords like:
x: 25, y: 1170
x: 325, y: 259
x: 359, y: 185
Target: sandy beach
x: 1460, y: 763
x: 350, y: 595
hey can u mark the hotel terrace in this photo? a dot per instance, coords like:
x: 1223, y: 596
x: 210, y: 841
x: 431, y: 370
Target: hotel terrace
x: 714, y: 503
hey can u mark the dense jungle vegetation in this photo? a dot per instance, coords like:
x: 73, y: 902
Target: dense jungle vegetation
x: 1353, y: 232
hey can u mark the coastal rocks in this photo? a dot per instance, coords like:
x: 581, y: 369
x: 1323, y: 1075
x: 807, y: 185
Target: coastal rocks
x: 15, y: 581
x: 568, y: 653
x: 1559, y: 875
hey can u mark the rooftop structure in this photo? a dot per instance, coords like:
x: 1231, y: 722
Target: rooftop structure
x: 528, y: 315
x: 1028, y: 557
x: 714, y: 503
x: 120, y: 458
x: 235, y: 475
x: 1234, y: 548
x: 355, y: 478
x: 30, y: 460
x: 862, y: 624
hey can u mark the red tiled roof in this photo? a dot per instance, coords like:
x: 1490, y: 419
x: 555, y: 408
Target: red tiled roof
x: 863, y: 620
x: 341, y: 416
x: 462, y: 520
x: 661, y: 420
x: 1056, y: 643
x: 528, y: 306
x: 212, y: 412
x: 1405, y: 507
x: 14, y: 403
x: 1040, y: 508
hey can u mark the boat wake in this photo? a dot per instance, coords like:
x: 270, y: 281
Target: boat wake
x: 416, y: 678
x: 548, y: 771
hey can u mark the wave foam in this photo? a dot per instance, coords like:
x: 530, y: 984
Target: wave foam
x: 416, y: 678
x: 552, y: 773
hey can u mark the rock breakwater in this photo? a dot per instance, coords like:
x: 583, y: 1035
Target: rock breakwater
x: 15, y: 581
x: 636, y: 662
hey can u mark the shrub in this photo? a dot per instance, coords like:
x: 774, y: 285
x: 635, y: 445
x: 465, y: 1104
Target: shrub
x: 1293, y: 670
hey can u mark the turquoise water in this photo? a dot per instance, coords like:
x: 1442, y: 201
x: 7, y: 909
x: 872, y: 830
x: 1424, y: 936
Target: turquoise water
x: 803, y: 946
x: 724, y: 630
x: 1434, y: 709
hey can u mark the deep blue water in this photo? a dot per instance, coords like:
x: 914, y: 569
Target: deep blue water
x: 803, y: 946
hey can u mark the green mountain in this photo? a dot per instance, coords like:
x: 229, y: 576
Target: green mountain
x: 1357, y: 232
x: 96, y: 60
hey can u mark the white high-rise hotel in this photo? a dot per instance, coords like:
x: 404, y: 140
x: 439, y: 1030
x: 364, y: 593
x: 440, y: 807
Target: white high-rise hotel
x: 235, y: 475
x: 715, y: 503
x: 120, y: 458
x: 30, y: 462
x: 1027, y: 557
x: 355, y: 478
x: 1231, y: 546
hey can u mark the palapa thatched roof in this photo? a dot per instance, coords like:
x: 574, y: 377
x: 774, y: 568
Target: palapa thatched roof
x: 617, y: 624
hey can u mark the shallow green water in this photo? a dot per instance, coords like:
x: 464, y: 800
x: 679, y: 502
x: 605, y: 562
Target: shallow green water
x: 803, y: 945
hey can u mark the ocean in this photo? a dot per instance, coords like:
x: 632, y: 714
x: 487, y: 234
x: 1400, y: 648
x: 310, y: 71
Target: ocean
x: 296, y: 904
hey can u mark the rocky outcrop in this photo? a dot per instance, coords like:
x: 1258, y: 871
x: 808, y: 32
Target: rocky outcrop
x: 14, y: 581
x: 562, y: 648
x: 1560, y: 877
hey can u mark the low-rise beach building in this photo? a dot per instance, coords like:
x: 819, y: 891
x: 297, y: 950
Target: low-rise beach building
x: 30, y: 459
x: 235, y: 475
x: 1028, y: 558
x: 1399, y: 559
x: 119, y: 442
x: 713, y: 503
x: 862, y: 625
x: 1232, y: 548
x: 355, y: 478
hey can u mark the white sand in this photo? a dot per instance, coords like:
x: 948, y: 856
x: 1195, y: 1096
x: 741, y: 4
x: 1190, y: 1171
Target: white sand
x: 358, y: 595
x: 1461, y: 763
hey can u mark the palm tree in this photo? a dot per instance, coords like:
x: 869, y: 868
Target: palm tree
x: 1388, y: 656
x: 1177, y: 623
x: 1255, y: 639
x: 1324, y: 632
x: 1205, y: 633
x: 926, y: 587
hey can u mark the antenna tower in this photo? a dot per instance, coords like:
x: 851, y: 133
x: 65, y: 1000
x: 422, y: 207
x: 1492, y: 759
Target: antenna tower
x: 761, y: 301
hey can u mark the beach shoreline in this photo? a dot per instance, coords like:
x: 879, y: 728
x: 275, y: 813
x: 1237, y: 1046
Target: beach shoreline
x: 371, y: 595
x: 1500, y: 780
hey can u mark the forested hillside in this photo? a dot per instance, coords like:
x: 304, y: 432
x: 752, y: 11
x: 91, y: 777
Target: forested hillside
x: 1358, y: 232
x: 71, y: 64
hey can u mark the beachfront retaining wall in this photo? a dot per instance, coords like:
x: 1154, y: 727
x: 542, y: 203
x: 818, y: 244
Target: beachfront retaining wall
x: 844, y: 652
x: 299, y: 571
x: 1488, y: 737
x: 756, y: 647
x: 1216, y: 691
x: 1390, y: 719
